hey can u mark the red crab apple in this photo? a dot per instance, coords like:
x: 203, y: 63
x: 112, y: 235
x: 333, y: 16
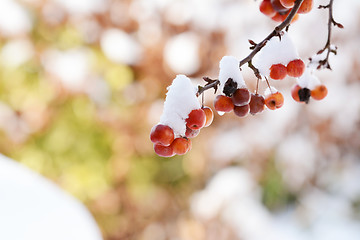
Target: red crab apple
x: 274, y: 100
x: 196, y: 119
x: 223, y: 104
x: 164, y: 151
x: 278, y: 71
x: 209, y: 116
x: 241, y: 97
x: 266, y: 8
x: 295, y: 68
x: 181, y: 145
x: 257, y: 103
x: 162, y: 134
x: 319, y: 92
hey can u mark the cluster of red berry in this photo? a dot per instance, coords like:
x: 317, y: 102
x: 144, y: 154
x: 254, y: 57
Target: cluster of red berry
x: 278, y: 10
x: 294, y: 68
x: 243, y: 102
x: 165, y: 142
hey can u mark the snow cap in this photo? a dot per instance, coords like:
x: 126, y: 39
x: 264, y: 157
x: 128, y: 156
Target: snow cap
x: 229, y: 68
x: 308, y: 80
x: 180, y: 101
x: 277, y: 50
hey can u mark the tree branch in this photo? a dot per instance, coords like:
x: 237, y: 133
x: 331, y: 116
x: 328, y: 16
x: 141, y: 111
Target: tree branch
x: 275, y: 32
x: 327, y: 47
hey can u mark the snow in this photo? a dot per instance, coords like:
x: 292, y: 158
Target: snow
x: 275, y: 51
x: 34, y: 208
x: 180, y: 101
x: 14, y: 19
x: 71, y: 67
x: 229, y: 68
x: 308, y: 79
x: 120, y: 47
x: 181, y: 53
x: 16, y: 52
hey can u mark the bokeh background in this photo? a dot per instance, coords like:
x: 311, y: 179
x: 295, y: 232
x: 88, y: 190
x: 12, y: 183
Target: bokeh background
x: 82, y: 83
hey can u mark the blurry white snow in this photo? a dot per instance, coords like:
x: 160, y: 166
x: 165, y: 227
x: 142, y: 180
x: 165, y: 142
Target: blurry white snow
x: 14, y: 19
x: 33, y: 208
x: 181, y: 53
x: 16, y: 52
x: 233, y: 196
x: 83, y: 6
x: 71, y: 67
x: 120, y: 47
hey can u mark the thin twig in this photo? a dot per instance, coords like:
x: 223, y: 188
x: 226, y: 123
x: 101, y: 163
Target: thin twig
x: 327, y: 47
x: 211, y: 83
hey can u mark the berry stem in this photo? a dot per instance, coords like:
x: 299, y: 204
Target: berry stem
x: 275, y: 32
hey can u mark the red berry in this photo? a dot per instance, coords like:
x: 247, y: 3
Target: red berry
x: 164, y: 151
x: 278, y: 6
x: 306, y: 6
x: 295, y: 68
x: 278, y: 71
x: 196, y: 119
x: 209, y: 116
x: 319, y: 92
x: 295, y: 92
x: 267, y: 9
x: 162, y: 134
x: 241, y: 97
x: 274, y: 100
x: 257, y: 103
x: 181, y: 145
x: 190, y: 133
x: 223, y: 104
x: 287, y: 3
x: 242, y: 111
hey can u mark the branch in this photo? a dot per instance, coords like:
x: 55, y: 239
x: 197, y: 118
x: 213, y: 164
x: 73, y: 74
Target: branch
x: 327, y: 47
x: 275, y: 32
x: 211, y: 83
x: 255, y: 49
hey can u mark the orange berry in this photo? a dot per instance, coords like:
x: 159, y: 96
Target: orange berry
x: 319, y: 92
x: 267, y: 9
x: 209, y: 116
x: 181, y: 145
x: 295, y: 68
x: 274, y: 100
x: 287, y: 3
x: 257, y: 103
x: 223, y: 104
x: 242, y: 111
x: 278, y: 71
x: 164, y: 151
x: 196, y: 119
x: 162, y: 134
x: 306, y: 6
x: 241, y: 97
